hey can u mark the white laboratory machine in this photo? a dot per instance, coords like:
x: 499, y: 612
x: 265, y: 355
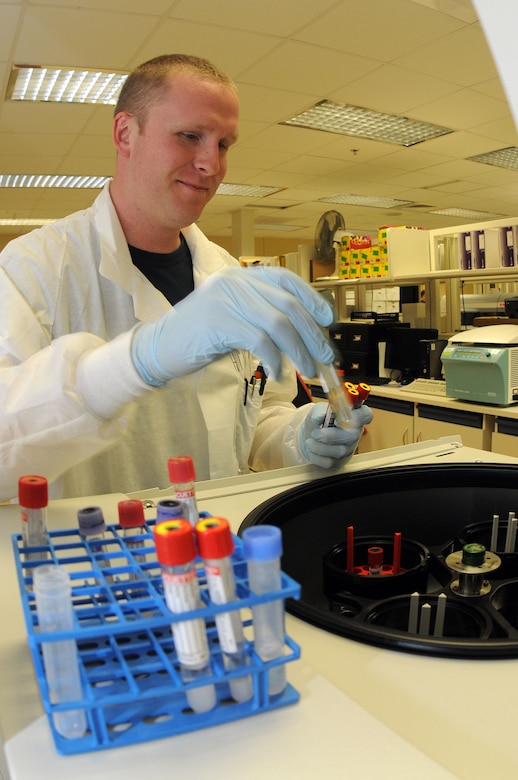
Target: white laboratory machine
x: 481, y: 364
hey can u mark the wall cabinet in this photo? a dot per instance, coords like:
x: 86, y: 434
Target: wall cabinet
x: 431, y: 422
x: 392, y: 426
x: 404, y: 418
x: 413, y: 419
x: 505, y: 437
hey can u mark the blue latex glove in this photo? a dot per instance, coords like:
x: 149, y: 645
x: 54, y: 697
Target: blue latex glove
x: 266, y: 311
x: 330, y: 447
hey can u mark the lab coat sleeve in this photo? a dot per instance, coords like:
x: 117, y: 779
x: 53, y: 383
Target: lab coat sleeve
x: 60, y: 401
x: 275, y: 443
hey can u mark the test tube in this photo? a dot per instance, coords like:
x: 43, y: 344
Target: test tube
x: 375, y: 560
x: 133, y: 524
x: 168, y: 508
x: 335, y: 392
x: 91, y: 528
x: 363, y: 390
x: 216, y: 546
x: 52, y: 591
x: 33, y: 500
x: 352, y: 395
x: 182, y: 476
x: 174, y: 541
x: 262, y: 546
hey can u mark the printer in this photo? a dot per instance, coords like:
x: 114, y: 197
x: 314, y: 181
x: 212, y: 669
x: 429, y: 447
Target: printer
x: 481, y: 364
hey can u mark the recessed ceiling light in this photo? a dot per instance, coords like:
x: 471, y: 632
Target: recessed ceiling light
x: 25, y: 222
x: 64, y: 85
x: 246, y: 190
x: 466, y: 213
x: 52, y: 180
x: 363, y: 123
x: 365, y: 200
x: 503, y: 158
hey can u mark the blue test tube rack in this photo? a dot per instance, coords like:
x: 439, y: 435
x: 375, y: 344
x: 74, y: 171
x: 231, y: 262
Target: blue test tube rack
x: 132, y: 687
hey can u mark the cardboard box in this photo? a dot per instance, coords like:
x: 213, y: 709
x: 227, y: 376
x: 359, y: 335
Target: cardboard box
x: 378, y: 270
x: 392, y: 293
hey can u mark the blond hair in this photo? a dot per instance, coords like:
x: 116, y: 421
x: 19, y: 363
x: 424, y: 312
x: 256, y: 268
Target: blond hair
x: 149, y: 82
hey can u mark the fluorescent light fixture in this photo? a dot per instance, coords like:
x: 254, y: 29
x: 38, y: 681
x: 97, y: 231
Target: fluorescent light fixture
x: 246, y: 190
x: 365, y: 200
x: 466, y: 213
x: 363, y: 123
x: 64, y: 85
x: 25, y: 222
x: 52, y: 180
x: 502, y: 158
x: 277, y: 227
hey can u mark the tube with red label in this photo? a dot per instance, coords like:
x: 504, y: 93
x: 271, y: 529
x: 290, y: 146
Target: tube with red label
x: 215, y: 546
x: 174, y: 541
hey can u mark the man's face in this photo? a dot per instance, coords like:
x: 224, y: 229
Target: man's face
x: 177, y: 160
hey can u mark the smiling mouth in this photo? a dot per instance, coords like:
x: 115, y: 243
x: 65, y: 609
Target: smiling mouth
x: 196, y: 187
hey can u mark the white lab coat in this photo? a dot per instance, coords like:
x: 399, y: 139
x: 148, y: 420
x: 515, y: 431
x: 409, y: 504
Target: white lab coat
x: 70, y: 296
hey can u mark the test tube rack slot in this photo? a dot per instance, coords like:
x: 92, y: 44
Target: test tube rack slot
x: 131, y: 681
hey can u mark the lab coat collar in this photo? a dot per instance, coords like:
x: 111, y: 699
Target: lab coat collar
x: 117, y: 266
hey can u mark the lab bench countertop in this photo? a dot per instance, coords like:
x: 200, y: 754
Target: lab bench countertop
x: 364, y: 712
x: 397, y: 392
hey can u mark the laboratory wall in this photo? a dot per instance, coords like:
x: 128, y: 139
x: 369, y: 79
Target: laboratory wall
x: 6, y: 237
x: 264, y: 247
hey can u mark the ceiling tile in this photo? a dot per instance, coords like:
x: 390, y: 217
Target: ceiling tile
x: 231, y: 50
x: 261, y: 17
x: 298, y: 66
x: 74, y: 36
x: 461, y: 110
x: 422, y: 58
x: 9, y: 18
x: 376, y: 90
x: 154, y: 7
x: 377, y: 28
x: 462, y: 57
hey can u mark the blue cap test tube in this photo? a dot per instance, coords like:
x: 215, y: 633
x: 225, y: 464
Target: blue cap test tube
x: 262, y: 547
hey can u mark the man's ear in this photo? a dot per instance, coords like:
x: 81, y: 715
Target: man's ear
x: 122, y: 129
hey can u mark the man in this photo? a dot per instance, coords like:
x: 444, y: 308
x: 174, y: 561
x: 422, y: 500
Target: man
x: 126, y: 337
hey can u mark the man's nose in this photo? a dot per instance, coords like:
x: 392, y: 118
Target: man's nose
x: 209, y: 159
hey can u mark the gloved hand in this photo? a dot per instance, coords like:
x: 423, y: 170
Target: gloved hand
x: 330, y: 447
x: 266, y: 311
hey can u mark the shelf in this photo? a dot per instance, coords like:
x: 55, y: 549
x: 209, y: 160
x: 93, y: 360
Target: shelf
x: 430, y: 257
x: 477, y: 274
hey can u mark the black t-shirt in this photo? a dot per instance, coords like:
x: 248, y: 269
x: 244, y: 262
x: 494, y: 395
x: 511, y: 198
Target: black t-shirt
x: 171, y: 273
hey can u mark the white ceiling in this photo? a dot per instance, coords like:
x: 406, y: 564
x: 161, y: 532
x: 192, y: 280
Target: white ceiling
x: 425, y: 59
